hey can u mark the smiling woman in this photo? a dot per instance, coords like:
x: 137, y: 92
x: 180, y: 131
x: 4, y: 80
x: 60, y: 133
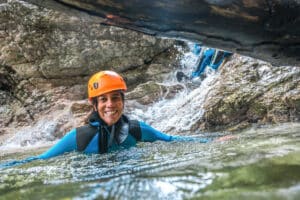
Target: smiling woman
x: 108, y: 128
x: 106, y: 93
x: 110, y: 107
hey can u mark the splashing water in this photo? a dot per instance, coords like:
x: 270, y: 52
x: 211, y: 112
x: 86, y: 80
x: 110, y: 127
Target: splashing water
x: 173, y: 115
x: 262, y: 163
x: 37, y: 135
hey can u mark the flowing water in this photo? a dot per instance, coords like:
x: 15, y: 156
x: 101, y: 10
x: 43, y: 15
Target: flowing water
x: 258, y: 163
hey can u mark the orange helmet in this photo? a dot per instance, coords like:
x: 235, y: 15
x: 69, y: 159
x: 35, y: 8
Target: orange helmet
x: 105, y: 81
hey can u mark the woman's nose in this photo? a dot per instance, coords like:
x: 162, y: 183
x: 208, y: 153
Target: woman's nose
x: 110, y: 102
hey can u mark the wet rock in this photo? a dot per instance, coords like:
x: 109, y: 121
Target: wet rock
x: 151, y: 92
x: 267, y: 30
x: 81, y: 108
x: 40, y: 42
x: 254, y: 92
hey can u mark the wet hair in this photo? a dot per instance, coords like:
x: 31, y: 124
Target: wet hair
x: 122, y: 96
x: 94, y: 101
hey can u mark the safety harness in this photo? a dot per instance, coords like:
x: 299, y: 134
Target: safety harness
x: 85, y: 134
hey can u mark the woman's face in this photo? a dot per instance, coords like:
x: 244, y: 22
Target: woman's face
x: 110, y: 107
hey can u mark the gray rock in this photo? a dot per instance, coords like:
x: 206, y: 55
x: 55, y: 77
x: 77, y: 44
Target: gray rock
x: 252, y: 91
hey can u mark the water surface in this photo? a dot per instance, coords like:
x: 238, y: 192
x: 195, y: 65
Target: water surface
x: 261, y: 163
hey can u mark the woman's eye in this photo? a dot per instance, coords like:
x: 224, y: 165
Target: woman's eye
x: 102, y: 99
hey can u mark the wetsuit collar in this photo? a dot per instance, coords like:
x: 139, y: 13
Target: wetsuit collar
x: 95, y: 120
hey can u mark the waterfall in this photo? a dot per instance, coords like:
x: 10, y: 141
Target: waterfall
x: 179, y: 114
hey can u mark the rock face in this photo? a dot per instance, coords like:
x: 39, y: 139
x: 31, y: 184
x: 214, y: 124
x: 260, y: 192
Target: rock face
x: 243, y: 92
x: 47, y: 56
x: 151, y: 92
x: 267, y: 30
x: 41, y: 43
x: 252, y: 91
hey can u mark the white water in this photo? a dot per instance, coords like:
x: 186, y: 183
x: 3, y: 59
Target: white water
x: 180, y: 113
x: 42, y: 133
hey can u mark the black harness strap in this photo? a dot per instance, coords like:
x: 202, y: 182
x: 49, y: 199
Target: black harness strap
x: 135, y: 129
x: 103, y: 140
x: 85, y: 134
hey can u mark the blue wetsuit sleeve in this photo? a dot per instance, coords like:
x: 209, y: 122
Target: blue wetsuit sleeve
x: 191, y: 139
x: 150, y: 134
x: 66, y: 144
